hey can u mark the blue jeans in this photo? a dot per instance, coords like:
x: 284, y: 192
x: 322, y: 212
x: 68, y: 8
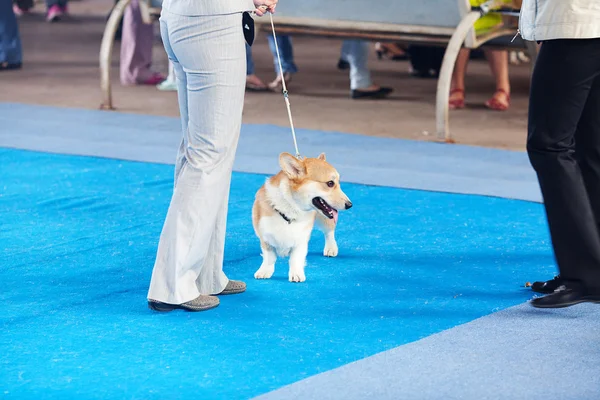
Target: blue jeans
x: 249, y: 61
x: 356, y: 53
x: 10, y: 41
x: 287, y: 54
x: 285, y: 49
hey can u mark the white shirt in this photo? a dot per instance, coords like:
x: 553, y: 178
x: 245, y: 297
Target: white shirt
x: 559, y: 19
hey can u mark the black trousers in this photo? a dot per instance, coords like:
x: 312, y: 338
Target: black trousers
x: 563, y: 144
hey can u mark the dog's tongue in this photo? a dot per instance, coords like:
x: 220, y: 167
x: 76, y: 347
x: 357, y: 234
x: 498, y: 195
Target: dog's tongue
x: 335, y: 216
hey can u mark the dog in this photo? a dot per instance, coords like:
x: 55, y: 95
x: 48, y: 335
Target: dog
x: 286, y: 208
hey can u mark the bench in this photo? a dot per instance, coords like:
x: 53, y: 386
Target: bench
x: 445, y: 23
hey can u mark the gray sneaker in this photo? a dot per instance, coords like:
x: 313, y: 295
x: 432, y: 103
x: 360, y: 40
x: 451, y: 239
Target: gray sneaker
x: 234, y: 287
x: 200, y: 303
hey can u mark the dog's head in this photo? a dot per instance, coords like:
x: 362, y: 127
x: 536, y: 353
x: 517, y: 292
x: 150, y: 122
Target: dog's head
x: 315, y: 185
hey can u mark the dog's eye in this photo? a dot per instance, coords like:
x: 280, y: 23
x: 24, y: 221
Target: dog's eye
x: 331, y: 183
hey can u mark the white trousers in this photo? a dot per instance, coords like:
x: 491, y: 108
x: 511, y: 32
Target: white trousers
x: 209, y: 59
x: 356, y: 53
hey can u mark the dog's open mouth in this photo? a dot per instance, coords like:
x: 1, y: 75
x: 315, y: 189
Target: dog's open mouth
x: 325, y: 208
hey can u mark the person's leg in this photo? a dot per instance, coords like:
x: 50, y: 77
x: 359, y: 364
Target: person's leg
x: 10, y: 40
x: 249, y: 60
x: 286, y: 51
x: 457, y: 85
x: 343, y: 62
x: 345, y: 49
x: 425, y: 61
x: 182, y: 99
x: 21, y: 7
x: 587, y: 148
x: 55, y: 9
x: 356, y: 53
x: 211, y: 52
x: 284, y: 43
x: 562, y: 81
x: 253, y: 82
x: 136, y: 49
x: 170, y: 82
x: 498, y: 61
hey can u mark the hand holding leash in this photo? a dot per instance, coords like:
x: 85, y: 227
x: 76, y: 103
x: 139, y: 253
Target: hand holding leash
x: 264, y: 6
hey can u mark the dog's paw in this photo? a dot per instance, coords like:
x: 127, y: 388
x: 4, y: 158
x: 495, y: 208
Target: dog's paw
x: 331, y: 250
x: 297, y: 276
x: 264, y: 273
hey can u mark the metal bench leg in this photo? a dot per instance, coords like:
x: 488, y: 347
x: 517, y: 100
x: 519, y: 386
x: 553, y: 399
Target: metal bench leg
x: 108, y: 39
x: 445, y: 79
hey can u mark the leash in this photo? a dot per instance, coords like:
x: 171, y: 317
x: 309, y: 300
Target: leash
x: 285, y: 91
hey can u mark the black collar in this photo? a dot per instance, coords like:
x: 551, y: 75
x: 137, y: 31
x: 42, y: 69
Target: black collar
x: 285, y: 217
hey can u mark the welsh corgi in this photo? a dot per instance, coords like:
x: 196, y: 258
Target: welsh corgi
x: 286, y: 208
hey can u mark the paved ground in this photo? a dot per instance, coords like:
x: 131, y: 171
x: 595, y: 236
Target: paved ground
x: 61, y: 68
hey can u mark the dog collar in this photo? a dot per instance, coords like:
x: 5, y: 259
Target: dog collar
x: 285, y: 217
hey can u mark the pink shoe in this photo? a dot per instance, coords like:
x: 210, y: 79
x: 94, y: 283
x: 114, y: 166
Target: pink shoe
x: 19, y: 11
x: 155, y: 79
x: 54, y: 13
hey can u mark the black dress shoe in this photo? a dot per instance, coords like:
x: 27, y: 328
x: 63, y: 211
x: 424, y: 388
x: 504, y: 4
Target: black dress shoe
x: 372, y: 94
x: 425, y: 73
x: 343, y: 65
x: 566, y: 295
x: 547, y: 286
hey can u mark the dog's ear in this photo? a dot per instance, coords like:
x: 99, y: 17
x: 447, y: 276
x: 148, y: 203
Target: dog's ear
x: 293, y: 167
x: 322, y: 157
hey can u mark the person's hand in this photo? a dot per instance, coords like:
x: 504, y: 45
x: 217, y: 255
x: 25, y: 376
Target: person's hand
x: 264, y: 6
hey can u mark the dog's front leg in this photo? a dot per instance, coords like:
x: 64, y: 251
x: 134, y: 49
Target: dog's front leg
x: 267, y: 268
x: 331, y: 247
x: 298, y: 262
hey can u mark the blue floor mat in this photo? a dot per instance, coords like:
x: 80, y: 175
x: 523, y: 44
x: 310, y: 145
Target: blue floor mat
x: 78, y: 238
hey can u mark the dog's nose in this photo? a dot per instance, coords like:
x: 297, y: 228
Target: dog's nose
x: 348, y: 205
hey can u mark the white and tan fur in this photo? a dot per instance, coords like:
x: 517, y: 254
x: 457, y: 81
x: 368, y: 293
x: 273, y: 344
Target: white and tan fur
x: 291, y: 193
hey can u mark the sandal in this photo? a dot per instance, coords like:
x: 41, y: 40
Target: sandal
x: 457, y: 103
x: 497, y: 105
x: 254, y: 84
x: 277, y: 85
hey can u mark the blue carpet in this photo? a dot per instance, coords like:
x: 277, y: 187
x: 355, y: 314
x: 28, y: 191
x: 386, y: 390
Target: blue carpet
x: 78, y: 240
x: 360, y: 159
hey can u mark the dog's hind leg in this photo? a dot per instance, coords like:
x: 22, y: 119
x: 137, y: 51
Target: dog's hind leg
x: 269, y: 256
x: 328, y: 227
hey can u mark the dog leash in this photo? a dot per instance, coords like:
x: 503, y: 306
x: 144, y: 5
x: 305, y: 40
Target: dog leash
x: 285, y: 91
